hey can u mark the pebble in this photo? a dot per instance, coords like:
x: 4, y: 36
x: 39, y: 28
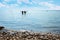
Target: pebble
x: 26, y: 35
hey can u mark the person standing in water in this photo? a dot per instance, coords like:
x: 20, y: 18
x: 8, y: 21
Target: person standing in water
x: 23, y: 12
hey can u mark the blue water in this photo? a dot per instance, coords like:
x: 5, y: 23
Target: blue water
x: 43, y: 20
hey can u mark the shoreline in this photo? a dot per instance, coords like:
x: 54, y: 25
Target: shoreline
x: 27, y: 35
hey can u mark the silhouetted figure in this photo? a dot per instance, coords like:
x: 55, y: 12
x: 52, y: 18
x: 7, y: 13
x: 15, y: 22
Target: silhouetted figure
x: 23, y: 12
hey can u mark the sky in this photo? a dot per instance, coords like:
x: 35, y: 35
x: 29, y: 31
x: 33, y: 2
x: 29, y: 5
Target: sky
x: 17, y: 5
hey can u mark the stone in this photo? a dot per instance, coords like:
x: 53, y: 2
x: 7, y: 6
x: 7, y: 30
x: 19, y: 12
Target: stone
x: 1, y: 27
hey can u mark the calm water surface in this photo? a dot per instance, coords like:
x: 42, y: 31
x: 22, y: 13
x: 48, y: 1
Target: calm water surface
x: 43, y: 20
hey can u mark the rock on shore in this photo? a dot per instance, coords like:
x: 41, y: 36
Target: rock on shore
x: 27, y: 35
x: 14, y: 35
x: 1, y: 27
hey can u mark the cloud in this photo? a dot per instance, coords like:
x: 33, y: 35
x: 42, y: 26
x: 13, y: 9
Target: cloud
x: 7, y: 0
x: 46, y: 4
x: 30, y: 4
x: 50, y: 5
x: 24, y: 1
x: 56, y: 8
x: 2, y: 5
x: 18, y: 1
x: 7, y: 6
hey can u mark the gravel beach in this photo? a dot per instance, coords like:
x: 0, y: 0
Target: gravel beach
x: 26, y: 35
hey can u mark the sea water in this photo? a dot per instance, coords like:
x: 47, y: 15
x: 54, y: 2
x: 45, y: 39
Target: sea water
x: 42, y: 20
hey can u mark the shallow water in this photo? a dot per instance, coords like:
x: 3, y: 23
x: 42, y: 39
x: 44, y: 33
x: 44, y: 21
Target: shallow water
x: 43, y: 20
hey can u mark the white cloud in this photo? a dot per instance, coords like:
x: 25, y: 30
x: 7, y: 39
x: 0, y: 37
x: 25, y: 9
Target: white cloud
x: 19, y: 1
x: 56, y: 8
x: 50, y: 5
x: 7, y: 0
x: 2, y: 5
x: 25, y: 1
x: 8, y: 6
x: 45, y: 5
